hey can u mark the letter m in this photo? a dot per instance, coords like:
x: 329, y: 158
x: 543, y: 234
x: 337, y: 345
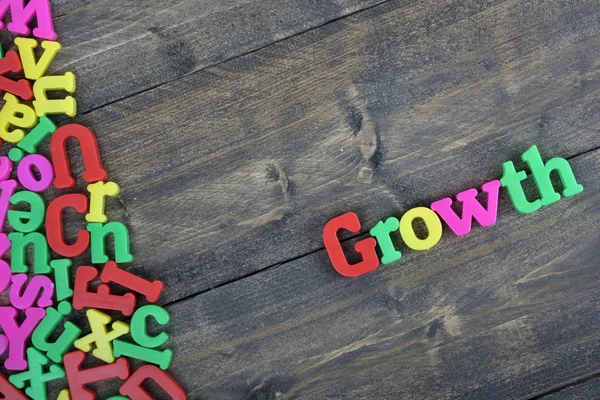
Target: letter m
x: 471, y: 208
x: 22, y: 15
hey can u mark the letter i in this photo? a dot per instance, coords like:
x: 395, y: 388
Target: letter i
x: 33, y: 139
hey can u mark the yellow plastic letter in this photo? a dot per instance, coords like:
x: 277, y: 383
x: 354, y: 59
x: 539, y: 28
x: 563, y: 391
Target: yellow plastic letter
x: 98, y: 192
x: 17, y: 114
x: 101, y: 336
x: 44, y: 106
x: 432, y: 222
x: 35, y: 70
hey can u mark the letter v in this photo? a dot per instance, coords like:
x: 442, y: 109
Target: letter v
x: 471, y: 209
x: 35, y: 70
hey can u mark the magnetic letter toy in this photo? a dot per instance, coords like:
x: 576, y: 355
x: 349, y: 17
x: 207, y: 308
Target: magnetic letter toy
x: 22, y: 87
x: 511, y: 180
x: 62, y: 278
x: 18, y: 335
x: 102, y: 299
x: 3, y: 344
x: 113, y: 274
x: 471, y: 208
x: 29, y: 180
x: 33, y: 69
x: 118, y: 398
x: 78, y: 378
x: 56, y: 350
x: 98, y: 233
x: 133, y: 386
x: 41, y: 253
x: 9, y: 391
x: 89, y: 149
x: 6, y: 166
x: 138, y: 328
x: 44, y: 106
x: 100, y: 335
x: 24, y: 299
x: 27, y: 221
x: 431, y: 220
x: 36, y: 376
x: 54, y: 225
x: 23, y: 15
x: 64, y: 395
x: 15, y: 113
x: 32, y: 140
x: 541, y: 175
x: 381, y: 232
x: 98, y: 192
x: 161, y: 358
x: 365, y: 247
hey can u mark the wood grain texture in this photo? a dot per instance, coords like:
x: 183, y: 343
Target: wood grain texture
x: 502, y: 313
x: 588, y: 389
x: 507, y: 312
x: 119, y: 49
x: 239, y: 167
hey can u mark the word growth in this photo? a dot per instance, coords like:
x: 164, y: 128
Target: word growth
x: 433, y: 215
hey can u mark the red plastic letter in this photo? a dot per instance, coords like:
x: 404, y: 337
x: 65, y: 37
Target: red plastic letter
x: 9, y: 391
x: 94, y: 172
x: 133, y: 386
x: 112, y: 273
x: 12, y: 63
x: 365, y: 247
x: 79, y: 378
x: 102, y: 299
x: 54, y: 225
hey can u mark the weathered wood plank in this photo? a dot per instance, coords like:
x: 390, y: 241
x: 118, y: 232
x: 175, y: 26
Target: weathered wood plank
x: 589, y: 389
x: 244, y: 163
x: 503, y: 313
x: 119, y: 50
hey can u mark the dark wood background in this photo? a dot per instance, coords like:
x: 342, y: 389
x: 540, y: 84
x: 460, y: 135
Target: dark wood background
x: 238, y: 128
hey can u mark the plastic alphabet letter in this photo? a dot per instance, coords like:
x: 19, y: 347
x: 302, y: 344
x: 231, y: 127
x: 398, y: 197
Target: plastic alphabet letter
x: 98, y: 233
x: 15, y: 113
x: 9, y: 391
x: 62, y: 278
x: 41, y: 253
x: 102, y: 299
x: 36, y: 376
x: 54, y: 225
x: 78, y: 378
x: 27, y: 221
x: 101, y: 336
x: 29, y: 180
x: 56, y: 350
x: 471, y: 208
x: 160, y: 358
x: 139, y: 331
x: 11, y: 63
x: 18, y: 335
x: 44, y: 106
x: 381, y: 232
x: 40, y: 286
x: 5, y: 272
x: 98, y: 192
x: 33, y: 139
x: 365, y: 247
x: 64, y: 395
x: 6, y: 167
x: 23, y: 15
x: 34, y: 70
x: 113, y: 274
x: 94, y: 171
x: 431, y: 220
x: 133, y: 386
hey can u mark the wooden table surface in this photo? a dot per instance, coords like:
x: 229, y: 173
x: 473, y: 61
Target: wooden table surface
x: 237, y: 128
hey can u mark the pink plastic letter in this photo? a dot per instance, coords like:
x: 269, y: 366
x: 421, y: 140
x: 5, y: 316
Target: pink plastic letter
x: 28, y: 179
x: 18, y: 335
x: 38, y: 283
x: 471, y: 208
x: 23, y: 15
